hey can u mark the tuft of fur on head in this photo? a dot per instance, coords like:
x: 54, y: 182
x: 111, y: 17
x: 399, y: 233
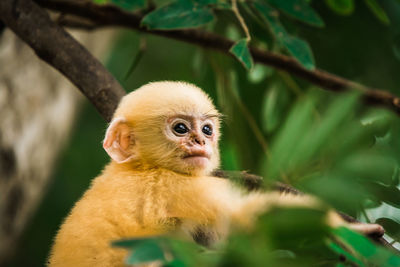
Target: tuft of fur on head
x: 146, y: 111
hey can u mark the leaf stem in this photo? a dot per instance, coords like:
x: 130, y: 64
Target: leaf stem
x: 235, y: 10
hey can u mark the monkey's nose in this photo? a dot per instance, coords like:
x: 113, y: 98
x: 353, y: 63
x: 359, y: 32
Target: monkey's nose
x: 199, y: 141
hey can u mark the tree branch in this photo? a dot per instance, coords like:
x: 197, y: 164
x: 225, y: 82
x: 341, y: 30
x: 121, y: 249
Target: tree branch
x: 55, y: 46
x: 254, y: 182
x: 108, y: 15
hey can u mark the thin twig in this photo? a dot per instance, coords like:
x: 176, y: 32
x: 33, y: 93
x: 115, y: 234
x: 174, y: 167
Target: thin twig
x: 235, y: 10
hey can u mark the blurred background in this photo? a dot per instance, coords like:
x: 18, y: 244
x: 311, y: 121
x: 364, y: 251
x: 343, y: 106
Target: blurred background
x: 277, y: 125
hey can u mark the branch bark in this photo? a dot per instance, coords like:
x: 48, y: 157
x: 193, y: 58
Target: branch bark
x: 108, y: 15
x: 58, y: 48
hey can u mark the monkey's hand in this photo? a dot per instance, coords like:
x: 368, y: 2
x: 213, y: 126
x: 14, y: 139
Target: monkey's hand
x: 370, y: 229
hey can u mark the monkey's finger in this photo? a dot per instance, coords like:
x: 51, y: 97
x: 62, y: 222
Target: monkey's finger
x: 368, y: 228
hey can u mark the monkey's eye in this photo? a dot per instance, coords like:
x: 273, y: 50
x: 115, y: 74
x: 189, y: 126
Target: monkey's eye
x: 207, y: 130
x: 180, y: 128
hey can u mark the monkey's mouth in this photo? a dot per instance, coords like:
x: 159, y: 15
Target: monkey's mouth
x: 198, y: 159
x: 197, y: 154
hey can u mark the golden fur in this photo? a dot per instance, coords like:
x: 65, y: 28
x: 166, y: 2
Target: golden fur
x: 148, y: 190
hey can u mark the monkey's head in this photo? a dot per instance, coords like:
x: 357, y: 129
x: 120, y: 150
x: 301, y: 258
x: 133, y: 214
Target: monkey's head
x: 171, y: 125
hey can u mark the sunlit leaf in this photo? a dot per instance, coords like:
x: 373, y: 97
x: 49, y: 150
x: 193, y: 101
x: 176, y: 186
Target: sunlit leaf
x: 130, y: 4
x: 341, y: 7
x: 378, y: 11
x: 242, y: 53
x: 300, y: 10
x: 391, y: 226
x: 298, y: 48
x: 178, y: 15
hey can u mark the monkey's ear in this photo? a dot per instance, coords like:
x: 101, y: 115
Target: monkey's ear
x: 118, y: 140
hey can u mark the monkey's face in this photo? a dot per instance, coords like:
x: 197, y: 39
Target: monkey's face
x: 170, y: 125
x: 194, y: 140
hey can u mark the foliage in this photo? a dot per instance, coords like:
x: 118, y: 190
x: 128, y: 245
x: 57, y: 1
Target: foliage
x: 326, y: 144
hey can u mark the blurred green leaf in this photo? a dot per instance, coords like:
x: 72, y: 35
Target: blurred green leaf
x: 128, y: 243
x: 365, y: 248
x: 370, y: 165
x: 100, y: 1
x: 242, y: 53
x: 274, y: 107
x: 336, y: 189
x: 341, y: 7
x: 130, y: 4
x: 396, y: 176
x: 175, y: 263
x: 179, y: 15
x: 233, y: 33
x: 387, y: 194
x: 349, y: 257
x: 147, y: 251
x: 298, y: 121
x: 378, y: 11
x: 259, y: 73
x: 298, y: 48
x: 396, y: 46
x: 223, y: 5
x: 391, y: 226
x: 300, y: 10
x: 378, y: 122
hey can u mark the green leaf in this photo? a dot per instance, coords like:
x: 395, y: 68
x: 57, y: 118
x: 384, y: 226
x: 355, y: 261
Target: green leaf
x: 130, y: 4
x: 341, y: 7
x: 396, y: 46
x: 242, y: 53
x: 127, y: 243
x: 100, y: 1
x: 205, y: 2
x: 387, y: 194
x: 371, y: 166
x: 274, y: 107
x: 146, y: 252
x: 179, y: 15
x: 300, y: 10
x: 376, y: 255
x: 339, y: 250
x: 259, y: 73
x: 392, y: 227
x: 298, y: 48
x: 298, y: 121
x: 378, y: 11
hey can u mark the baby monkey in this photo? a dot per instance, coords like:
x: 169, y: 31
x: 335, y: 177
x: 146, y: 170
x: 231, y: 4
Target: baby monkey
x: 163, y: 142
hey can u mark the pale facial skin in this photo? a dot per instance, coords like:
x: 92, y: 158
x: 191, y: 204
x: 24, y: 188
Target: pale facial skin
x: 196, y: 136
